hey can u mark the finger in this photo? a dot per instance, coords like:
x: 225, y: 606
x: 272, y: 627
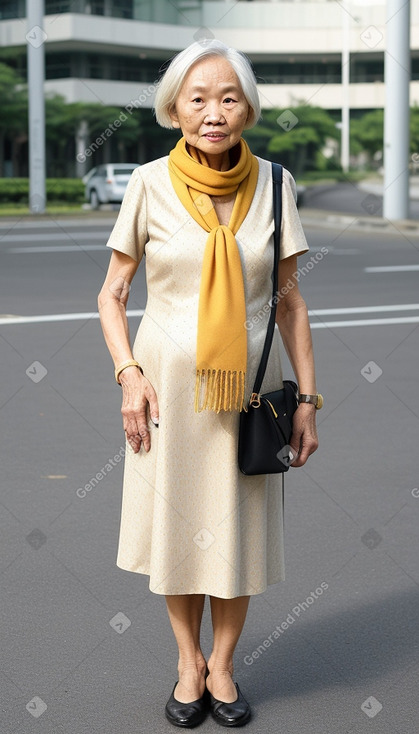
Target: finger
x: 137, y: 431
x: 300, y: 460
x: 131, y: 432
x: 131, y: 426
x: 154, y: 407
x: 144, y: 434
x: 295, y: 447
x: 306, y: 450
x: 135, y: 443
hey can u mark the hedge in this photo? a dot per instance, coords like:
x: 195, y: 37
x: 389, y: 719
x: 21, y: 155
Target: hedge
x: 338, y: 175
x: 16, y: 190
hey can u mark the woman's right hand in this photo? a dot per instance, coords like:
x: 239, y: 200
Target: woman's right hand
x: 137, y: 394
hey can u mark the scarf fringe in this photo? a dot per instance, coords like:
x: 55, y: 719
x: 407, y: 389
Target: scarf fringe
x: 224, y: 390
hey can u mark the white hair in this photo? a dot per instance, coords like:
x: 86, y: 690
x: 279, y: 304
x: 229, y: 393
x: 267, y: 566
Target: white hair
x: 171, y: 82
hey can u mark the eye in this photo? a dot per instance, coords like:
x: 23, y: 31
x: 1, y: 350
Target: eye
x: 198, y: 100
x: 227, y: 100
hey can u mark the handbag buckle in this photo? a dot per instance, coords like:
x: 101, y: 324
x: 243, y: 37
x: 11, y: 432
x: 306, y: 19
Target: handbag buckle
x: 255, y: 400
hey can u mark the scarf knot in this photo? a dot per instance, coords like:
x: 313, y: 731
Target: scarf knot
x: 221, y: 354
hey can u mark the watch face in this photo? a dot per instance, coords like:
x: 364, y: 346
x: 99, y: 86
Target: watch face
x: 320, y: 401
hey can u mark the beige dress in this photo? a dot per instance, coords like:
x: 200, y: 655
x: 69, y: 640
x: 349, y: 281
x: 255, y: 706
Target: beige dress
x: 190, y: 519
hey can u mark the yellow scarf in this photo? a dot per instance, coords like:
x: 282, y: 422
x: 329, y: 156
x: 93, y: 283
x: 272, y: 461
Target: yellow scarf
x: 221, y: 353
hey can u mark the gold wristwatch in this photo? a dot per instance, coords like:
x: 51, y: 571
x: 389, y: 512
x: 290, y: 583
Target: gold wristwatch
x: 316, y: 400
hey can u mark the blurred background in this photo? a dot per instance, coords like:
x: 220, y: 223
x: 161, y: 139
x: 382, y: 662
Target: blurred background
x: 86, y: 647
x: 318, y: 62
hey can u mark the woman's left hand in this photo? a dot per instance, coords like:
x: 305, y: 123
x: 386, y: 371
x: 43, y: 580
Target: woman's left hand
x: 304, y: 439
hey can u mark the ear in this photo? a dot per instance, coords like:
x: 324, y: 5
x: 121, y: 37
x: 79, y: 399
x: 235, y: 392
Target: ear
x: 174, y: 117
x: 250, y: 113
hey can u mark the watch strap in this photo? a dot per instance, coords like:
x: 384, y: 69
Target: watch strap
x: 315, y: 400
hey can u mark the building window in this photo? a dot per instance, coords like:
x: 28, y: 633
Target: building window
x: 300, y: 72
x: 113, y: 8
x: 12, y: 9
x: 95, y: 67
x: 54, y: 7
x: 58, y: 66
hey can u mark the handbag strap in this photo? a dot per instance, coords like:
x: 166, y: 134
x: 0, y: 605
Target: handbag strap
x: 277, y: 199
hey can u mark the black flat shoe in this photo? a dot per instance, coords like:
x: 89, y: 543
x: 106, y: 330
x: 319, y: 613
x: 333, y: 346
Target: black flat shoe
x: 186, y: 714
x: 236, y: 713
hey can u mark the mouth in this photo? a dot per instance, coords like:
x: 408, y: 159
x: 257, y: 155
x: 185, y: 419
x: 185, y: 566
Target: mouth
x: 214, y: 137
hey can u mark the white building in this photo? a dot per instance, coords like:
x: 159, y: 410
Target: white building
x: 109, y: 50
x: 112, y: 51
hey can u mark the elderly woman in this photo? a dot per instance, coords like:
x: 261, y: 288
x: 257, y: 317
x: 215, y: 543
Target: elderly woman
x: 203, y: 217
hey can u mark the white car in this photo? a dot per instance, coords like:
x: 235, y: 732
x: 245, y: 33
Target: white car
x: 106, y: 184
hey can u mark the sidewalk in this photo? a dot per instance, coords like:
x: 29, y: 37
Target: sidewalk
x: 330, y: 220
x: 376, y: 187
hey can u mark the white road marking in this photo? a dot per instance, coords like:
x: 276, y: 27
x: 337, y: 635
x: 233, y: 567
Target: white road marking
x: 391, y: 269
x: 363, y: 309
x: 81, y: 316
x: 57, y: 248
x: 86, y: 315
x: 77, y: 222
x: 365, y: 322
x: 333, y: 250
x: 60, y: 235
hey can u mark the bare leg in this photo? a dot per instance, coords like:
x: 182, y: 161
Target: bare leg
x: 228, y: 617
x: 185, y: 614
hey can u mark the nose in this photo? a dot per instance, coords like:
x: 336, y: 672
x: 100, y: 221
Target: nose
x: 214, y: 114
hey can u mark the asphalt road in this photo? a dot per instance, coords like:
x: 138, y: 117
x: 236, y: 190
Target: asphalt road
x: 86, y: 647
x: 349, y: 199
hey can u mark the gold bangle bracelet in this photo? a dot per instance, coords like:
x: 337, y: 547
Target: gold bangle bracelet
x: 128, y: 363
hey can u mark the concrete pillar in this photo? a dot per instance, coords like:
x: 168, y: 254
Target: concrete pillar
x: 344, y: 148
x: 36, y: 38
x: 397, y: 111
x: 82, y: 143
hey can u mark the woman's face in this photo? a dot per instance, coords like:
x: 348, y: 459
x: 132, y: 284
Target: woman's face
x: 211, y: 109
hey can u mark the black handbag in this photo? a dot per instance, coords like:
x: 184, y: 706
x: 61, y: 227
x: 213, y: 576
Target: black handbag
x: 266, y: 423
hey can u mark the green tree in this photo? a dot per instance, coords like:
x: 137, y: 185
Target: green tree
x: 62, y: 123
x: 294, y: 136
x: 100, y: 117
x: 14, y: 113
x: 414, y: 130
x: 366, y: 133
x: 153, y: 142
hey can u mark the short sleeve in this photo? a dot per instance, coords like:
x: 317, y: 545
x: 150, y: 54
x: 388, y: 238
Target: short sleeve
x: 293, y: 239
x: 130, y: 234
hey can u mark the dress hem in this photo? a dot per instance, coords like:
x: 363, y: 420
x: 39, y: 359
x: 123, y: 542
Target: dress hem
x: 253, y: 592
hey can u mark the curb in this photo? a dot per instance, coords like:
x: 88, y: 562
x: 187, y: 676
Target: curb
x: 322, y: 218
x: 376, y: 188
x: 81, y: 216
